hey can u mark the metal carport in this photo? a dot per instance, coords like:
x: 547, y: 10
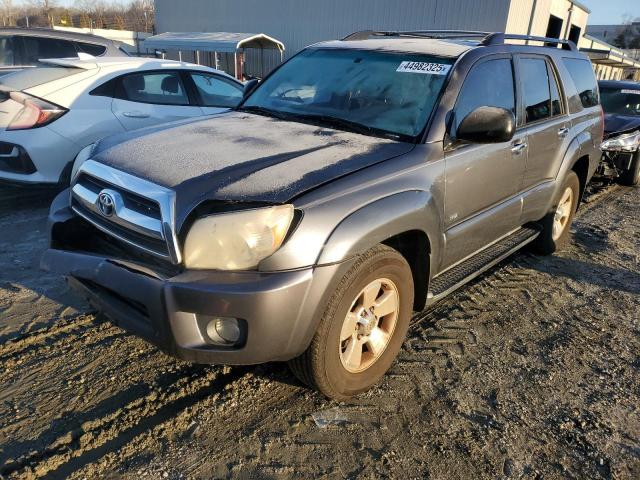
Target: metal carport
x: 216, y: 42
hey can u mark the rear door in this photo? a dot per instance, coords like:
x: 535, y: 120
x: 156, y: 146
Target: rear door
x: 544, y: 119
x: 215, y: 93
x: 153, y: 97
x: 483, y: 180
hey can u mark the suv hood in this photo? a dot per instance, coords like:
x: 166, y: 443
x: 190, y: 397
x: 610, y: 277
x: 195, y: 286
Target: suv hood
x: 619, y: 124
x: 239, y: 156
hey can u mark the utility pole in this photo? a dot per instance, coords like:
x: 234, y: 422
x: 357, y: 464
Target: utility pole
x: 27, y: 18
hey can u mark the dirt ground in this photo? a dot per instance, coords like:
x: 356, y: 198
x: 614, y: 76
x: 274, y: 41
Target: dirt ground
x: 531, y: 371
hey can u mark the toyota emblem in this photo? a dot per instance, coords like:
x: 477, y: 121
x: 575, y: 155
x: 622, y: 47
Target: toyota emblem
x: 106, y: 204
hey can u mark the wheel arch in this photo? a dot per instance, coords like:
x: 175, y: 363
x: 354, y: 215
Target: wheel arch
x: 581, y: 168
x: 406, y: 221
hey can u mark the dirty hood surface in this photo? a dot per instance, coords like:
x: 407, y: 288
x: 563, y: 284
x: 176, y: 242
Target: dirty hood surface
x: 616, y: 124
x: 242, y: 157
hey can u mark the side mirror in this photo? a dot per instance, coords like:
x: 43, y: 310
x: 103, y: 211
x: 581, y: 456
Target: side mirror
x: 249, y: 87
x: 487, y: 125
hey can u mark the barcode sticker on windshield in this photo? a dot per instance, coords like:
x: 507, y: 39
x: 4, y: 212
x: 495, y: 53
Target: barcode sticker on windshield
x: 631, y: 92
x: 424, y: 67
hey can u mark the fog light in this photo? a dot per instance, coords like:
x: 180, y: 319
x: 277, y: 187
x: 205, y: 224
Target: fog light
x: 225, y: 329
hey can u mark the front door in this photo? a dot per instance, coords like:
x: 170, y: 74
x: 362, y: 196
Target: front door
x: 215, y: 93
x: 482, y: 181
x: 150, y: 98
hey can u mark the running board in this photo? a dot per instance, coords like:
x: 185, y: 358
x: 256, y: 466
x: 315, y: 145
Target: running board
x: 452, y: 279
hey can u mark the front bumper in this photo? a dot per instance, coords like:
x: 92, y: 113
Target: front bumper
x: 279, y: 310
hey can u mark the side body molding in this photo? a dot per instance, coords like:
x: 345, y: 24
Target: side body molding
x: 378, y: 221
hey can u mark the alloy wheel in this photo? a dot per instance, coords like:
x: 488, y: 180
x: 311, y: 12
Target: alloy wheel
x: 369, y: 325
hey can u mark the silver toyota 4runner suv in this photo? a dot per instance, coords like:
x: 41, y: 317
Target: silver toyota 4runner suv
x: 360, y: 181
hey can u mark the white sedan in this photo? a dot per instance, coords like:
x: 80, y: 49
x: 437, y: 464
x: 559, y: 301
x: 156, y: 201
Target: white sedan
x: 48, y: 114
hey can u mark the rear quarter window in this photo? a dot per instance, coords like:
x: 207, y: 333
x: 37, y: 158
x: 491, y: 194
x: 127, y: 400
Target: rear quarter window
x: 584, y: 79
x: 91, y: 48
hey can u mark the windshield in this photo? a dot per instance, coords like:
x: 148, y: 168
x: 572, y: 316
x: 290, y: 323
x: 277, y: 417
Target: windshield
x: 32, y: 77
x: 621, y: 101
x: 375, y: 93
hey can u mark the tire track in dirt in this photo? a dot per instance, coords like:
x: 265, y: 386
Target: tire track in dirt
x: 95, y: 436
x: 44, y: 337
x: 115, y: 435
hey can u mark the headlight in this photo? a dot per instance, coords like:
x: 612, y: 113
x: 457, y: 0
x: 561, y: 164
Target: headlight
x: 82, y: 157
x: 629, y: 142
x: 237, y: 240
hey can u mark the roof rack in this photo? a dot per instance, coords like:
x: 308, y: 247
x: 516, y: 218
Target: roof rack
x: 367, y: 34
x: 499, y: 39
x: 487, y: 38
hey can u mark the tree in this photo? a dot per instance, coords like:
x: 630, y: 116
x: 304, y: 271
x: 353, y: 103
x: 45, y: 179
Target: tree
x: 7, y: 12
x: 629, y: 36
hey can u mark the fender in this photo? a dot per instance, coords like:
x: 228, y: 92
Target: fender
x: 579, y: 147
x: 380, y: 220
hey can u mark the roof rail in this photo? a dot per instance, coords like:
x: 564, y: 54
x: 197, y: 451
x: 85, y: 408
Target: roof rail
x: 486, y: 37
x: 367, y: 34
x: 499, y: 39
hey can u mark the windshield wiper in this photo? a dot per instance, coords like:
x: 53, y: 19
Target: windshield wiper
x: 349, y: 125
x: 322, y: 120
x: 338, y: 122
x: 266, y: 111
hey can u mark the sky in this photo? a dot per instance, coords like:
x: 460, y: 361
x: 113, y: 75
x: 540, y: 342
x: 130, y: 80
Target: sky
x: 611, y: 12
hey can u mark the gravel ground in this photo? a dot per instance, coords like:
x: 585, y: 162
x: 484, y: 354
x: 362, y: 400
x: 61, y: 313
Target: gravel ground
x: 531, y: 371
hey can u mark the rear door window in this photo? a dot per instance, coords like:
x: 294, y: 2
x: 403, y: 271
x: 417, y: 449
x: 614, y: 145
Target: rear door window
x: 535, y: 89
x: 584, y: 79
x: 556, y: 99
x: 489, y: 84
x: 215, y: 91
x: 36, y: 48
x: 161, y: 88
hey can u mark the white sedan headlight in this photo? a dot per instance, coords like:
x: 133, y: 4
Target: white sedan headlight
x: 629, y: 142
x: 82, y: 157
x: 236, y: 240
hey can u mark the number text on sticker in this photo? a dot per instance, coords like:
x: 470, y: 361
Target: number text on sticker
x: 424, y: 67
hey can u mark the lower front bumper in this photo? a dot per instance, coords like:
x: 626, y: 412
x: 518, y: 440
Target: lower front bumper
x: 280, y: 310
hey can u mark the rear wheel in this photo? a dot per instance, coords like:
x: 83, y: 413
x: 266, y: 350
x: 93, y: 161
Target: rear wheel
x: 631, y: 177
x: 556, y: 225
x: 363, y: 326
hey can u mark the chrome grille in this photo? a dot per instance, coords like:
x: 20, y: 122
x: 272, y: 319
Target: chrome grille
x: 137, y: 213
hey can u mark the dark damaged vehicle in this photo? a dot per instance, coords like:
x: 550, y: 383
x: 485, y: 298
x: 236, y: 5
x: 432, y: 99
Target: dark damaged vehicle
x: 621, y: 155
x: 362, y: 180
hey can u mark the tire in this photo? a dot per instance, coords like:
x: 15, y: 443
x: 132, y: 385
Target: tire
x: 549, y: 241
x: 330, y: 363
x: 631, y: 177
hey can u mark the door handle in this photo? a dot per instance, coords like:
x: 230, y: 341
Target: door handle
x: 563, y: 132
x: 519, y: 148
x: 136, y: 115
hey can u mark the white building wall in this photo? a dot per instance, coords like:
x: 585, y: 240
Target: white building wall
x: 532, y: 16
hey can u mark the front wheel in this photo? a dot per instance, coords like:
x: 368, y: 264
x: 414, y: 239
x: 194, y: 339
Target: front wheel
x: 557, y: 224
x: 631, y: 177
x: 363, y: 326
